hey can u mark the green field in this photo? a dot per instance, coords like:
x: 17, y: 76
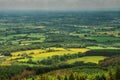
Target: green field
x: 87, y: 59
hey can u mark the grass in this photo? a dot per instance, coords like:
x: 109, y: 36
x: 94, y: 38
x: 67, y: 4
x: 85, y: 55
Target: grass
x: 39, y: 27
x: 86, y: 59
x: 114, y: 33
x: 40, y: 54
x: 40, y: 37
x: 32, y: 35
x: 82, y: 50
x: 36, y: 27
x: 37, y: 35
x: 32, y: 41
x: 100, y: 47
x: 75, y: 34
x: 16, y: 35
x: 116, y: 44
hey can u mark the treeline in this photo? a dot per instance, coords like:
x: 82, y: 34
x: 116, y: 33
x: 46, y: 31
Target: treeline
x: 103, y: 52
x: 8, y: 49
x: 111, y: 61
x: 111, y: 74
x: 60, y: 37
x: 14, y: 72
x: 57, y: 59
x: 7, y: 72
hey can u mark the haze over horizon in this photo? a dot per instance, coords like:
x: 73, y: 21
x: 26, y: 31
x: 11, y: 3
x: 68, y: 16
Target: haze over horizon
x: 60, y: 5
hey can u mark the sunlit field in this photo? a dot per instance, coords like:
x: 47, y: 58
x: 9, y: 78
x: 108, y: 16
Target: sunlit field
x: 40, y: 54
x: 87, y: 59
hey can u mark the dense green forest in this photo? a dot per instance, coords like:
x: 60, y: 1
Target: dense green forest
x: 48, y: 45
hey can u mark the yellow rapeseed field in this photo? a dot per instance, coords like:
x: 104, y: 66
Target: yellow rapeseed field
x: 40, y: 54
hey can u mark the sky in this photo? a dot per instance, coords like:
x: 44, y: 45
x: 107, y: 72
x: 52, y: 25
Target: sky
x: 60, y: 5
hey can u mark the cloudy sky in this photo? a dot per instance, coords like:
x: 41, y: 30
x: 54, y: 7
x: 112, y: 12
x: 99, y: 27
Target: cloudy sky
x: 59, y: 4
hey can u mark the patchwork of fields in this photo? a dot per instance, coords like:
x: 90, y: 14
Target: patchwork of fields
x: 35, y: 43
x: 40, y: 54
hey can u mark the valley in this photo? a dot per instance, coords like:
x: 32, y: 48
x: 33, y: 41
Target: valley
x: 44, y: 45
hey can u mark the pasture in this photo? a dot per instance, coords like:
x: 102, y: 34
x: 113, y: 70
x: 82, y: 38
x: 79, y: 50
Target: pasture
x: 87, y: 59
